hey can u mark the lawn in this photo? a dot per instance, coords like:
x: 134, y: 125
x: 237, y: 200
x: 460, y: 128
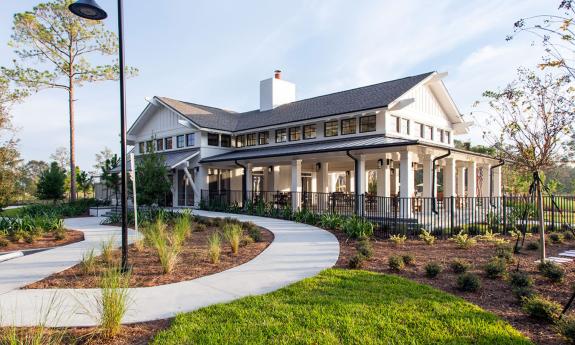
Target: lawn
x: 344, y: 307
x: 13, y: 212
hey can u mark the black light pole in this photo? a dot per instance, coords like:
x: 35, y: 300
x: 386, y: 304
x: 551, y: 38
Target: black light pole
x: 89, y: 9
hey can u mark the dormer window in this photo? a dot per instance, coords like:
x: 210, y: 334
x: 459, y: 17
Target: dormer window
x: 294, y: 133
x: 213, y: 139
x: 180, y: 141
x: 263, y: 138
x: 367, y: 124
x: 240, y: 140
x: 281, y: 135
x: 251, y: 139
x: 309, y: 132
x: 330, y: 128
x: 348, y: 126
x: 226, y: 140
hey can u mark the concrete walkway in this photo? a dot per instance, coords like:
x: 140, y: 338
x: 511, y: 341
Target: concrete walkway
x: 297, y: 252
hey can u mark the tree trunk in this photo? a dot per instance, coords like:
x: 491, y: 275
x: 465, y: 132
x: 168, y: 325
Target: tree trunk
x: 72, y: 143
x: 541, y: 220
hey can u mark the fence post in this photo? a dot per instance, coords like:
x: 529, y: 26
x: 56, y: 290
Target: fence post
x: 503, y: 205
x: 452, y: 209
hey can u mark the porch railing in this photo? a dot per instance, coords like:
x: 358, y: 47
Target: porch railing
x: 443, y: 216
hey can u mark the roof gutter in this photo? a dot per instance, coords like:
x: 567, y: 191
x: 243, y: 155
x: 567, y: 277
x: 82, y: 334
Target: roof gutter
x: 355, y: 180
x: 433, y: 200
x: 501, y: 163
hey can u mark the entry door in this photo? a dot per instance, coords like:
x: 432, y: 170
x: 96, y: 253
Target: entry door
x: 306, y: 184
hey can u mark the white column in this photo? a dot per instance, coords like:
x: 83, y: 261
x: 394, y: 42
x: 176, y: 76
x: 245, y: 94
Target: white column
x: 323, y: 178
x: 249, y: 167
x: 296, y: 183
x: 361, y: 175
x: 485, y: 185
x: 428, y: 176
x: 383, y: 180
x: 333, y: 182
x: 175, y: 188
x: 277, y: 177
x: 461, y: 181
x: 406, y: 187
x: 201, y: 183
x: 497, y: 182
x: 472, y: 180
x: 449, y: 177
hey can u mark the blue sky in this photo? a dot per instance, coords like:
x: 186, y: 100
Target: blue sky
x: 216, y: 52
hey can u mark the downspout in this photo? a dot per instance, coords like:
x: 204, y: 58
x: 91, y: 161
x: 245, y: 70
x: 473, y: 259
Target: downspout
x: 433, y: 195
x: 501, y: 163
x: 244, y: 183
x: 355, y: 181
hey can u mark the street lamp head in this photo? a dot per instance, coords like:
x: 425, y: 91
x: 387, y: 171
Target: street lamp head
x: 88, y: 9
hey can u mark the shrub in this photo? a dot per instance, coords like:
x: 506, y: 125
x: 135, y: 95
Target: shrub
x: 233, y: 235
x: 468, y: 282
x: 541, y: 308
x: 88, y: 263
x: 521, y: 292
x: 568, y: 236
x: 551, y: 271
x: 396, y: 263
x: 357, y: 227
x: 113, y: 303
x: 254, y: 232
x: 555, y: 238
x: 59, y: 234
x: 566, y: 327
x: 459, y: 266
x: 495, y: 268
x: 364, y: 248
x: 427, y: 237
x: 432, y: 269
x: 398, y: 240
x: 356, y: 261
x: 3, y: 242
x: 182, y: 229
x: 330, y: 221
x: 408, y: 259
x: 520, y: 279
x: 463, y: 241
x: 505, y: 253
x: 532, y: 246
x: 214, y: 248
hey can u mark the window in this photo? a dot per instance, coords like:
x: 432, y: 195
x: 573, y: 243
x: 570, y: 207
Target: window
x: 348, y: 126
x: 419, y: 130
x: 213, y: 139
x: 240, y: 140
x: 190, y: 139
x: 404, y: 126
x: 309, y: 132
x: 142, y: 147
x: 149, y: 146
x: 367, y: 124
x: 448, y: 137
x: 180, y: 141
x: 440, y: 136
x: 160, y: 144
x: 251, y: 139
x: 168, y: 143
x: 397, y: 123
x: 330, y: 128
x: 263, y: 138
x: 226, y: 140
x: 281, y: 135
x: 294, y: 133
x: 428, y: 132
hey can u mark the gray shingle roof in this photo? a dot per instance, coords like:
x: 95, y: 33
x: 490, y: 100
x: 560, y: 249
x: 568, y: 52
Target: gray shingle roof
x: 342, y: 144
x: 171, y: 158
x: 359, y: 99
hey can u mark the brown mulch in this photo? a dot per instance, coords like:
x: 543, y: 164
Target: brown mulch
x: 146, y: 269
x: 495, y: 294
x: 46, y: 241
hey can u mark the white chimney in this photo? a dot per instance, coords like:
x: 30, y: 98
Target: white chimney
x: 275, y: 92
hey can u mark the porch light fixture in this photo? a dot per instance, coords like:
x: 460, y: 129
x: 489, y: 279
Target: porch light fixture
x: 380, y: 163
x: 89, y: 9
x: 389, y: 162
x: 317, y: 166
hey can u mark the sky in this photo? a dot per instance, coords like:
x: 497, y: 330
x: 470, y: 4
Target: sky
x: 216, y: 52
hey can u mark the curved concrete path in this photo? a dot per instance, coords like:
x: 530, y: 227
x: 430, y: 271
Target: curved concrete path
x: 297, y: 252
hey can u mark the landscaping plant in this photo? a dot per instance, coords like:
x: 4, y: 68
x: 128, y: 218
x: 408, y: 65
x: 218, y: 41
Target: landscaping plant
x: 396, y: 263
x: 468, y: 282
x: 551, y: 271
x: 253, y: 231
x: 330, y: 221
x: 427, y: 237
x: 505, y: 253
x: 214, y: 247
x: 532, y: 246
x: 107, y: 251
x: 541, y: 308
x: 356, y: 261
x: 463, y: 240
x: 233, y: 234
x: 398, y: 240
x: 520, y: 280
x: 357, y: 227
x: 408, y: 259
x: 364, y: 248
x: 113, y: 304
x: 566, y: 327
x: 88, y: 263
x: 432, y: 269
x: 459, y: 266
x: 555, y: 238
x: 495, y: 268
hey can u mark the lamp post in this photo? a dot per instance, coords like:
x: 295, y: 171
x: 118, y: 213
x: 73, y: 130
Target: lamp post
x: 89, y: 9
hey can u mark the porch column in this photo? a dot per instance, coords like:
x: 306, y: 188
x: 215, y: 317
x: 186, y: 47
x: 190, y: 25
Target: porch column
x: 497, y: 182
x: 406, y: 183
x: 383, y: 179
x: 428, y: 176
x: 449, y: 177
x: 485, y: 185
x: 249, y: 167
x: 323, y: 178
x: 201, y: 183
x: 296, y: 183
x: 333, y: 182
x: 360, y: 182
x: 174, y: 188
x: 471, y: 183
x: 270, y: 179
x: 460, y: 181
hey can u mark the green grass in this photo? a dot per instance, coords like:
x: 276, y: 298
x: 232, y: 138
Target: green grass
x: 13, y: 212
x: 344, y: 307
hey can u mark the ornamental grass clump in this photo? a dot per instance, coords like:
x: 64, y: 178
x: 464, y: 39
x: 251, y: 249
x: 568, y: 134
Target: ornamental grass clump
x: 113, y: 303
x: 427, y: 237
x: 182, y: 230
x: 214, y: 247
x: 233, y: 235
x: 107, y: 251
x: 168, y: 245
x: 253, y: 231
x: 88, y: 263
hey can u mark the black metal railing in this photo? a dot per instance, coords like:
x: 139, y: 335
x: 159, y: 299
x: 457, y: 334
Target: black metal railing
x: 443, y: 216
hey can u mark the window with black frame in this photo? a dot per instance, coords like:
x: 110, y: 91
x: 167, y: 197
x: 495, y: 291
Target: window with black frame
x: 294, y: 133
x: 367, y: 124
x: 213, y: 139
x: 251, y: 139
x: 190, y: 139
x: 168, y: 143
x: 180, y: 141
x: 348, y: 126
x: 281, y: 135
x: 159, y: 144
x: 263, y: 138
x: 309, y: 131
x: 240, y: 140
x: 225, y: 140
x: 330, y: 128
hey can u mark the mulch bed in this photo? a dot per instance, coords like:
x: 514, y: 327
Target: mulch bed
x: 494, y: 295
x: 146, y: 269
x: 46, y: 241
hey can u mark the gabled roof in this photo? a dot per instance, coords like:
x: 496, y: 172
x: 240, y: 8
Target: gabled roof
x: 354, y: 100
x: 171, y: 158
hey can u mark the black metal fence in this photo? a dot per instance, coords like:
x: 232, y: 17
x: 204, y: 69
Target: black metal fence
x: 443, y: 216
